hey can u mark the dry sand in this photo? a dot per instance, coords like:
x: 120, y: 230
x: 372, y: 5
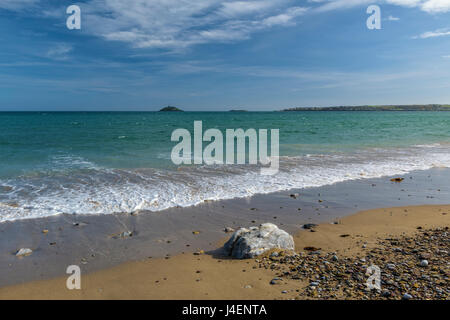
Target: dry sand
x: 210, y: 276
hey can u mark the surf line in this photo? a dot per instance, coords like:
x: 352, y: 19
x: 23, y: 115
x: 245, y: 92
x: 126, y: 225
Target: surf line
x: 235, y: 142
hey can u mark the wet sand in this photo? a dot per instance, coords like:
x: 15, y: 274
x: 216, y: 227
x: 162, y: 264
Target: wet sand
x: 94, y: 242
x: 212, y: 276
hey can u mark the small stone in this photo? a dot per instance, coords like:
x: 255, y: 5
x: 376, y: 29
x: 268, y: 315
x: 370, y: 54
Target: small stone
x: 24, y: 252
x: 424, y: 263
x: 314, y: 284
x: 79, y: 224
x: 275, y: 281
x: 335, y: 258
x: 407, y: 296
x: 386, y: 293
x: 228, y: 230
x: 247, y: 286
x: 275, y: 254
x: 390, y: 266
x: 126, y: 234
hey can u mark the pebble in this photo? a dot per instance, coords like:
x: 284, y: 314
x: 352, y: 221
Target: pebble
x: 407, y: 296
x: 274, y: 254
x: 424, y: 263
x: 345, y: 277
x: 390, y: 266
x: 275, y: 281
x: 24, y: 252
x: 386, y: 293
x: 126, y: 234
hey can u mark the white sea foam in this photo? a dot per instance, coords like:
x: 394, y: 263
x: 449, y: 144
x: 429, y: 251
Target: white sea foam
x: 93, y: 190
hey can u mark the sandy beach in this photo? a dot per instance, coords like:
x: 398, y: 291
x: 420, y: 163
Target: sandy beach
x: 154, y: 255
x: 213, y: 276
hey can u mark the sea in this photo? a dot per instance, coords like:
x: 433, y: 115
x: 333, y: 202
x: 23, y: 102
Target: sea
x: 120, y: 162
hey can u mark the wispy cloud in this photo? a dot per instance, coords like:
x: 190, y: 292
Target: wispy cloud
x: 434, y: 34
x: 176, y: 24
x: 17, y: 4
x: 59, y: 52
x: 392, y: 18
x: 179, y: 24
x: 430, y: 6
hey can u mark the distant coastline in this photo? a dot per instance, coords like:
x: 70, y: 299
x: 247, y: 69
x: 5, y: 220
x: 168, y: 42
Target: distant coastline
x: 427, y: 107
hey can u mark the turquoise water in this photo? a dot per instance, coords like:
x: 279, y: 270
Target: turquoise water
x: 99, y: 163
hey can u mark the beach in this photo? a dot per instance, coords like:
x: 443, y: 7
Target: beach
x: 212, y: 276
x: 160, y: 262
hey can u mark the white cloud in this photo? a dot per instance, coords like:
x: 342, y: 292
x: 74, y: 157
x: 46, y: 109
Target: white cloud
x: 16, y: 4
x: 430, y: 6
x: 436, y: 6
x: 176, y: 24
x: 405, y: 3
x: 239, y: 8
x: 434, y: 34
x: 59, y: 52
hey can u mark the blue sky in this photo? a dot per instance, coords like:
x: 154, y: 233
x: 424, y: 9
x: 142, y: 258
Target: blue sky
x: 221, y: 55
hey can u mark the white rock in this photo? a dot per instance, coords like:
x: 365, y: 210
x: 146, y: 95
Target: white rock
x: 249, y: 243
x: 24, y: 252
x: 424, y: 263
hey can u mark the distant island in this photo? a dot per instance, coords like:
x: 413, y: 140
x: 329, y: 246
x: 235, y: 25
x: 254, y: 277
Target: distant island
x: 170, y: 109
x: 427, y: 107
x: 238, y: 110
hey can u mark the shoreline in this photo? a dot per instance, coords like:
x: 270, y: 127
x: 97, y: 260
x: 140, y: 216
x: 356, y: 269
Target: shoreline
x: 213, y: 276
x: 95, y: 242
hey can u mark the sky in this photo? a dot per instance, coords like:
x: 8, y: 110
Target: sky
x: 219, y: 55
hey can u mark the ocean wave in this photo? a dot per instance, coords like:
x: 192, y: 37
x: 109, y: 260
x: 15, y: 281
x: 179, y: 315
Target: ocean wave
x: 90, y: 189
